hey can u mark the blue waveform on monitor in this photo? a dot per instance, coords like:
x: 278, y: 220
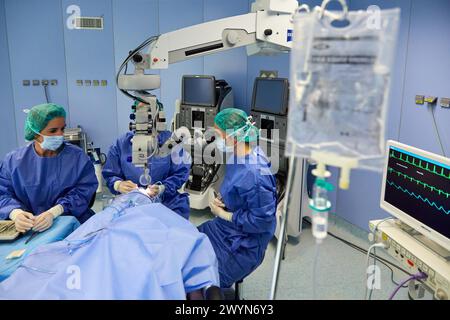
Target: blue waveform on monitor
x: 419, y: 197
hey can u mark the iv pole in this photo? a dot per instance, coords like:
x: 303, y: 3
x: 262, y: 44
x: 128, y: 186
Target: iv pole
x: 284, y: 219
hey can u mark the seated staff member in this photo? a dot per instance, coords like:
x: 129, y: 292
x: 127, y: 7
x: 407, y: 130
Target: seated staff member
x: 47, y: 178
x: 122, y: 176
x: 245, y: 210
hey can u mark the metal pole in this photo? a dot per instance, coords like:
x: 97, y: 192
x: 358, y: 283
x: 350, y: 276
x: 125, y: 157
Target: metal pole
x: 284, y: 218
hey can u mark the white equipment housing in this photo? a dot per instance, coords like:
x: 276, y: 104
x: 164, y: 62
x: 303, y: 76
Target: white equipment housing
x: 266, y: 30
x: 414, y: 257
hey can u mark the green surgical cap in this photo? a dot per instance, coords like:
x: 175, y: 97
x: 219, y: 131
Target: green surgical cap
x: 240, y: 125
x: 39, y: 116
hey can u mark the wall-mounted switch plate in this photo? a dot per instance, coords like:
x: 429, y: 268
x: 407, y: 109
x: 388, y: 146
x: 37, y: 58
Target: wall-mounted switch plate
x: 36, y: 82
x: 26, y: 83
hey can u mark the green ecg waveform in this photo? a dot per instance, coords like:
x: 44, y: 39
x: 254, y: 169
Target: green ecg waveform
x: 419, y: 197
x: 421, y: 164
x: 424, y: 184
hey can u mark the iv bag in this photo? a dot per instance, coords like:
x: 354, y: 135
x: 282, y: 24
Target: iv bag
x: 340, y: 81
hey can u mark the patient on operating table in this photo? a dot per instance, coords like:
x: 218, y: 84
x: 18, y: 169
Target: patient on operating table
x: 136, y: 248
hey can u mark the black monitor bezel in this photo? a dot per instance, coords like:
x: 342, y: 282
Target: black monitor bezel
x: 284, y: 108
x: 213, y: 80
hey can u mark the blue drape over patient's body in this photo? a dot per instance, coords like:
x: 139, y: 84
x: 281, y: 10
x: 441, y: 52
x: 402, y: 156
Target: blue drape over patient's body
x: 134, y: 249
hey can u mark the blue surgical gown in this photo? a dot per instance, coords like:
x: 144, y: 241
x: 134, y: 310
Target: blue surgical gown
x: 134, y: 249
x: 35, y: 184
x: 172, y: 175
x: 249, y: 192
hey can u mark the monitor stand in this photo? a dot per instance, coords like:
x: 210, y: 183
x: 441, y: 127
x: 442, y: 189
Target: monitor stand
x: 433, y: 246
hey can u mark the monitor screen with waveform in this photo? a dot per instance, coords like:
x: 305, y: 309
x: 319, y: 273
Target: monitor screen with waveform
x: 420, y: 187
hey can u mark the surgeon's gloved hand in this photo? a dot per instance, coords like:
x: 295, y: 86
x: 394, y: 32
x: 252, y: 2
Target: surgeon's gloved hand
x: 219, y: 211
x: 155, y: 190
x: 125, y: 186
x: 45, y: 220
x: 218, y: 202
x: 23, y: 220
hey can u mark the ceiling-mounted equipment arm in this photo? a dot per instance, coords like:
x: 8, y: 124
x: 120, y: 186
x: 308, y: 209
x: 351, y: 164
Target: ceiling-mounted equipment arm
x: 202, y: 39
x: 266, y: 30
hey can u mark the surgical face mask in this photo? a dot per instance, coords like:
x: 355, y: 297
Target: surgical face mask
x: 51, y: 143
x: 220, y: 144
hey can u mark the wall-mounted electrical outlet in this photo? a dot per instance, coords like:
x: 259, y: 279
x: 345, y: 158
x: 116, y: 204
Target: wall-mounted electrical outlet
x: 94, y: 83
x: 44, y: 82
x: 420, y: 99
x: 431, y: 99
x: 445, y: 102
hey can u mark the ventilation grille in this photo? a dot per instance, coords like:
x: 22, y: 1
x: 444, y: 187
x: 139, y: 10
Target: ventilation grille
x: 90, y: 23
